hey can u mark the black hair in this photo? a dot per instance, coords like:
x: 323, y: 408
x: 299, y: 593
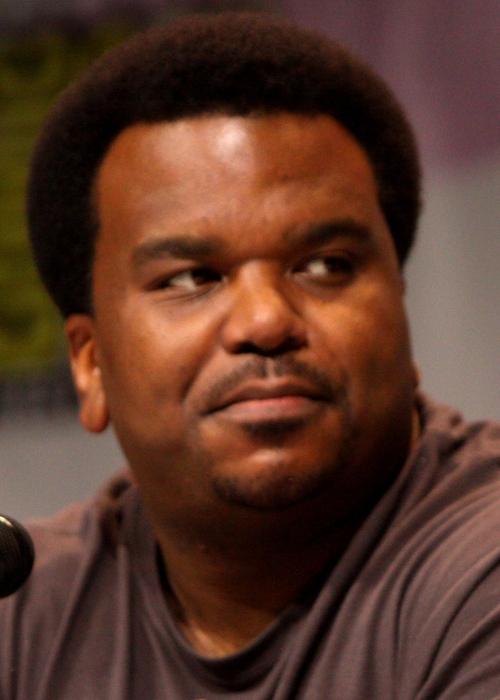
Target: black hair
x: 232, y: 63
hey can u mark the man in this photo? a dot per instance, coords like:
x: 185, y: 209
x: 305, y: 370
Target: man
x: 222, y: 209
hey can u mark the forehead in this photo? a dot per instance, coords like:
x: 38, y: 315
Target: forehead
x: 220, y: 170
x: 277, y: 145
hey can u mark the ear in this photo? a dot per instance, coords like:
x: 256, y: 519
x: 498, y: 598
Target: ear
x: 80, y: 332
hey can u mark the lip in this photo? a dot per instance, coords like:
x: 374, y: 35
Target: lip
x: 270, y: 401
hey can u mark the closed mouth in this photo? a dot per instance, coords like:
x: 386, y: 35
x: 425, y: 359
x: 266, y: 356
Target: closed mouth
x: 266, y: 397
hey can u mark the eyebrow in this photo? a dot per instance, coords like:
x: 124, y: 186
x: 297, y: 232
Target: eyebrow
x: 327, y: 231
x: 181, y: 247
x: 193, y: 247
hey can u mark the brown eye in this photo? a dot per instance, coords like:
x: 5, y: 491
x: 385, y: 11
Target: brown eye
x: 193, y: 279
x: 327, y: 266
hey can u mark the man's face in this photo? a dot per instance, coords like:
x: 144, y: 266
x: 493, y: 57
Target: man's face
x: 249, y: 342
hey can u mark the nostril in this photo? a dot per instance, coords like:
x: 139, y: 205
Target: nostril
x: 288, y: 344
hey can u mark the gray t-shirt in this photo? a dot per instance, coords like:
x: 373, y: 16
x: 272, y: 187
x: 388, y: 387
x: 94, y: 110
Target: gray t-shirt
x: 411, y: 610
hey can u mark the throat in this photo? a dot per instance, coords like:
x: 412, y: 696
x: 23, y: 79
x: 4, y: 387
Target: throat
x: 216, y: 621
x: 221, y: 607
x: 224, y: 593
x: 224, y: 640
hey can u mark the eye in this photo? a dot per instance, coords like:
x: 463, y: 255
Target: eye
x: 327, y: 267
x: 190, y: 280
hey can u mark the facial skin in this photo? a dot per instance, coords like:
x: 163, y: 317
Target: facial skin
x: 249, y: 341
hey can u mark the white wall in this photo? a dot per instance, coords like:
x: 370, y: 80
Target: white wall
x: 454, y: 289
x: 46, y: 462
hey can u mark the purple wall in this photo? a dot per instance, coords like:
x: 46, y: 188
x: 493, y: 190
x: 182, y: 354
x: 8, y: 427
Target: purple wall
x: 442, y: 58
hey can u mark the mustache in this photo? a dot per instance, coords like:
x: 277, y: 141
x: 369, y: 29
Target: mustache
x: 271, y: 368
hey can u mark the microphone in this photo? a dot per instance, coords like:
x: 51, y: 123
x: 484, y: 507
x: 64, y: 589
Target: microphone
x: 17, y: 555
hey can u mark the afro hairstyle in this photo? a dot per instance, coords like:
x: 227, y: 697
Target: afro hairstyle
x: 231, y: 63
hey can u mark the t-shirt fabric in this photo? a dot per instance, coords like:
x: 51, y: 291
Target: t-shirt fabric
x: 410, y: 611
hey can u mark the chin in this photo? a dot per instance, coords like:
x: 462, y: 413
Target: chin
x: 276, y: 483
x: 284, y: 463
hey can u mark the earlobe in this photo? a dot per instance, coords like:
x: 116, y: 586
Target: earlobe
x: 80, y: 332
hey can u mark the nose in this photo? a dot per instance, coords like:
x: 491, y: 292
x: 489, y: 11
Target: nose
x: 262, y: 319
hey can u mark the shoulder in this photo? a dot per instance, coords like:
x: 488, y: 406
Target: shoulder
x: 62, y: 536
x: 452, y: 462
x: 446, y: 551
x: 451, y: 508
x: 66, y: 546
x: 424, y: 605
x: 451, y: 433
x: 75, y: 562
x: 62, y: 540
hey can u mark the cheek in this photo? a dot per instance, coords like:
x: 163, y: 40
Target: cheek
x: 149, y: 361
x: 368, y: 340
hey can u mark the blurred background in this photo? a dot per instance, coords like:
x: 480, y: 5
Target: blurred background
x: 442, y: 60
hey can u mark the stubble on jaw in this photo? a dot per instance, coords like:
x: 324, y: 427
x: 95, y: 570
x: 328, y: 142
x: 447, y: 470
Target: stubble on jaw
x: 280, y: 485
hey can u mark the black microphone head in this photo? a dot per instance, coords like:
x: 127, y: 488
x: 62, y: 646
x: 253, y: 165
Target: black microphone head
x: 17, y: 555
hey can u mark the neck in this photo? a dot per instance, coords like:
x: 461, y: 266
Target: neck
x: 222, y: 600
x: 227, y: 585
